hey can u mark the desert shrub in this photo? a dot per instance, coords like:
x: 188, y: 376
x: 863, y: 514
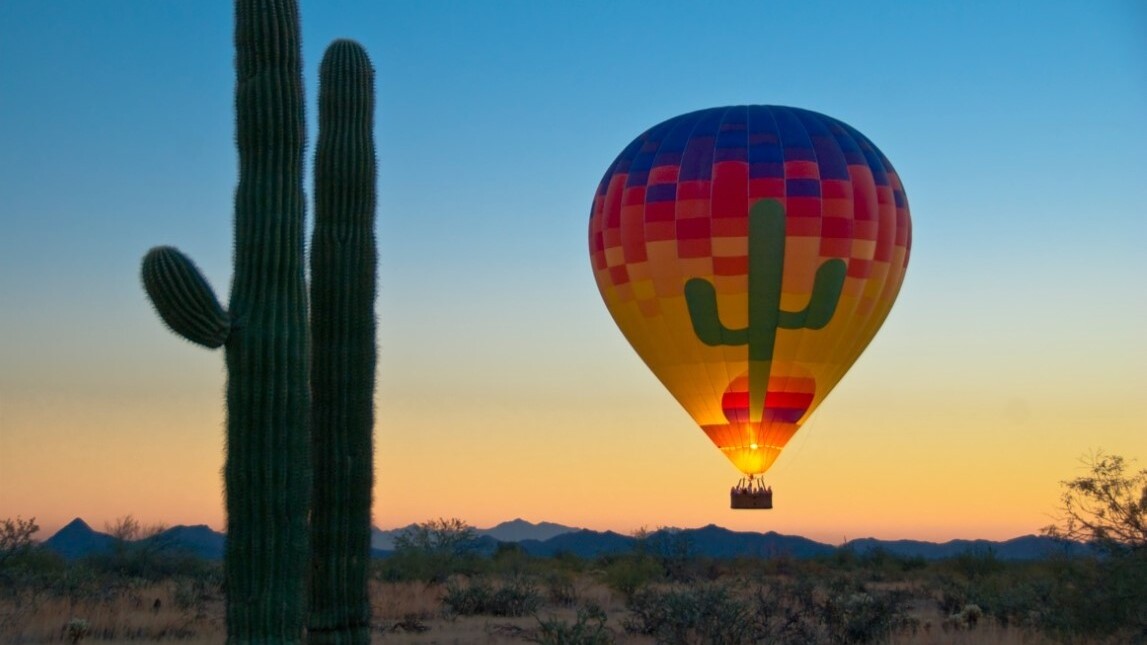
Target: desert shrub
x: 1097, y: 598
x: 704, y: 614
x: 560, y: 588
x: 512, y: 597
x: 510, y: 559
x: 33, y: 571
x: 630, y: 572
x: 862, y: 616
x: 974, y: 564
x: 1012, y: 594
x: 802, y: 611
x: 667, y: 615
x: 145, y: 553
x: 568, y: 561
x: 588, y: 629
x: 142, y: 563
x: 432, y: 552
x: 191, y: 594
x: 76, y: 629
x: 875, y: 565
x: 1077, y: 598
x: 78, y: 581
x: 673, y: 550
x: 469, y: 598
x: 26, y: 568
x: 516, y: 597
x: 967, y: 618
x: 16, y: 537
x: 786, y: 612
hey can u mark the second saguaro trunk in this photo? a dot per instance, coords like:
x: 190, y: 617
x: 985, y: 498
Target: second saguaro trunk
x: 343, y: 263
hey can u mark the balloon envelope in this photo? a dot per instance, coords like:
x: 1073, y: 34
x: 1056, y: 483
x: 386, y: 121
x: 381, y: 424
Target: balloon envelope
x: 749, y: 254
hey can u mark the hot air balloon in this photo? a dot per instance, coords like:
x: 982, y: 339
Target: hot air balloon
x: 749, y: 254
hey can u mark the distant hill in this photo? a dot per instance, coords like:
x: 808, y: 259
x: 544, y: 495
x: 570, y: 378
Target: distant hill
x: 1027, y: 547
x: 716, y: 542
x: 516, y: 530
x: 77, y: 540
x: 709, y: 541
x: 583, y: 543
x: 546, y: 539
x: 198, y: 540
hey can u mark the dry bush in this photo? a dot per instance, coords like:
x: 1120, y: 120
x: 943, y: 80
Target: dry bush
x: 397, y: 600
x: 775, y: 608
x: 126, y: 615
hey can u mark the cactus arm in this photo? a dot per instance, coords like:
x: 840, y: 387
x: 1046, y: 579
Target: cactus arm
x: 343, y: 267
x: 822, y: 303
x: 183, y: 298
x: 701, y: 298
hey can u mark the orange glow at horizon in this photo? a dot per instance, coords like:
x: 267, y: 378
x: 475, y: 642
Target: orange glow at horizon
x: 854, y: 471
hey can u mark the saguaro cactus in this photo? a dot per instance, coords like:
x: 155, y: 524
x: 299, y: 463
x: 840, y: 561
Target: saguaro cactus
x: 766, y: 266
x: 343, y: 260
x: 267, y: 474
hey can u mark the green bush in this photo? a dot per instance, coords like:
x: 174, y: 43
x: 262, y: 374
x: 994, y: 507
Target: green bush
x: 432, y: 552
x: 786, y: 613
x: 560, y: 588
x: 861, y: 616
x: 588, y: 629
x: 683, y: 615
x: 630, y: 572
x: 799, y: 612
x: 512, y: 597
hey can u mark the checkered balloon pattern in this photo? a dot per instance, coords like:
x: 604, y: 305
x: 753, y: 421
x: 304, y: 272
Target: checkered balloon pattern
x: 749, y: 254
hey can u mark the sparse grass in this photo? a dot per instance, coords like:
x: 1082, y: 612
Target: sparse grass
x: 128, y: 615
x: 575, y: 607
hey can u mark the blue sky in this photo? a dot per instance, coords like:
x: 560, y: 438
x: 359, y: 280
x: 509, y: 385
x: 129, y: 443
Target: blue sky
x: 1017, y: 130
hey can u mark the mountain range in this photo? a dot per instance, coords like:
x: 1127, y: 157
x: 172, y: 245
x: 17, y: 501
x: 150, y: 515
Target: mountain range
x: 78, y: 539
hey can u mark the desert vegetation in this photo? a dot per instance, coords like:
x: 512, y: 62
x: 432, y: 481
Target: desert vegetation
x: 441, y: 584
x: 438, y: 587
x: 637, y: 597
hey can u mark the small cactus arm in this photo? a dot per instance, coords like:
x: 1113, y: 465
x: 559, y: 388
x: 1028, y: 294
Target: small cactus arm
x: 766, y: 266
x: 267, y: 474
x: 183, y: 298
x: 343, y: 263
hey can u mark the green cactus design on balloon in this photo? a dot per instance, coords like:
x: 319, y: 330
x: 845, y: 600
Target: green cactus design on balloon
x: 269, y: 470
x: 766, y: 266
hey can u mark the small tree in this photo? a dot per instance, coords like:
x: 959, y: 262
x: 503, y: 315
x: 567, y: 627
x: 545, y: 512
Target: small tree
x: 138, y: 551
x: 16, y: 537
x: 1107, y: 596
x: 26, y: 568
x: 1106, y: 508
x: 434, y: 550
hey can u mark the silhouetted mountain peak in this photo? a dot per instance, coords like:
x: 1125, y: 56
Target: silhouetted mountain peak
x: 77, y: 524
x: 77, y: 539
x: 518, y: 529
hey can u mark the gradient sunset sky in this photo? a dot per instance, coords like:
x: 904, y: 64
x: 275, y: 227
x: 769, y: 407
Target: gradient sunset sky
x: 505, y: 390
